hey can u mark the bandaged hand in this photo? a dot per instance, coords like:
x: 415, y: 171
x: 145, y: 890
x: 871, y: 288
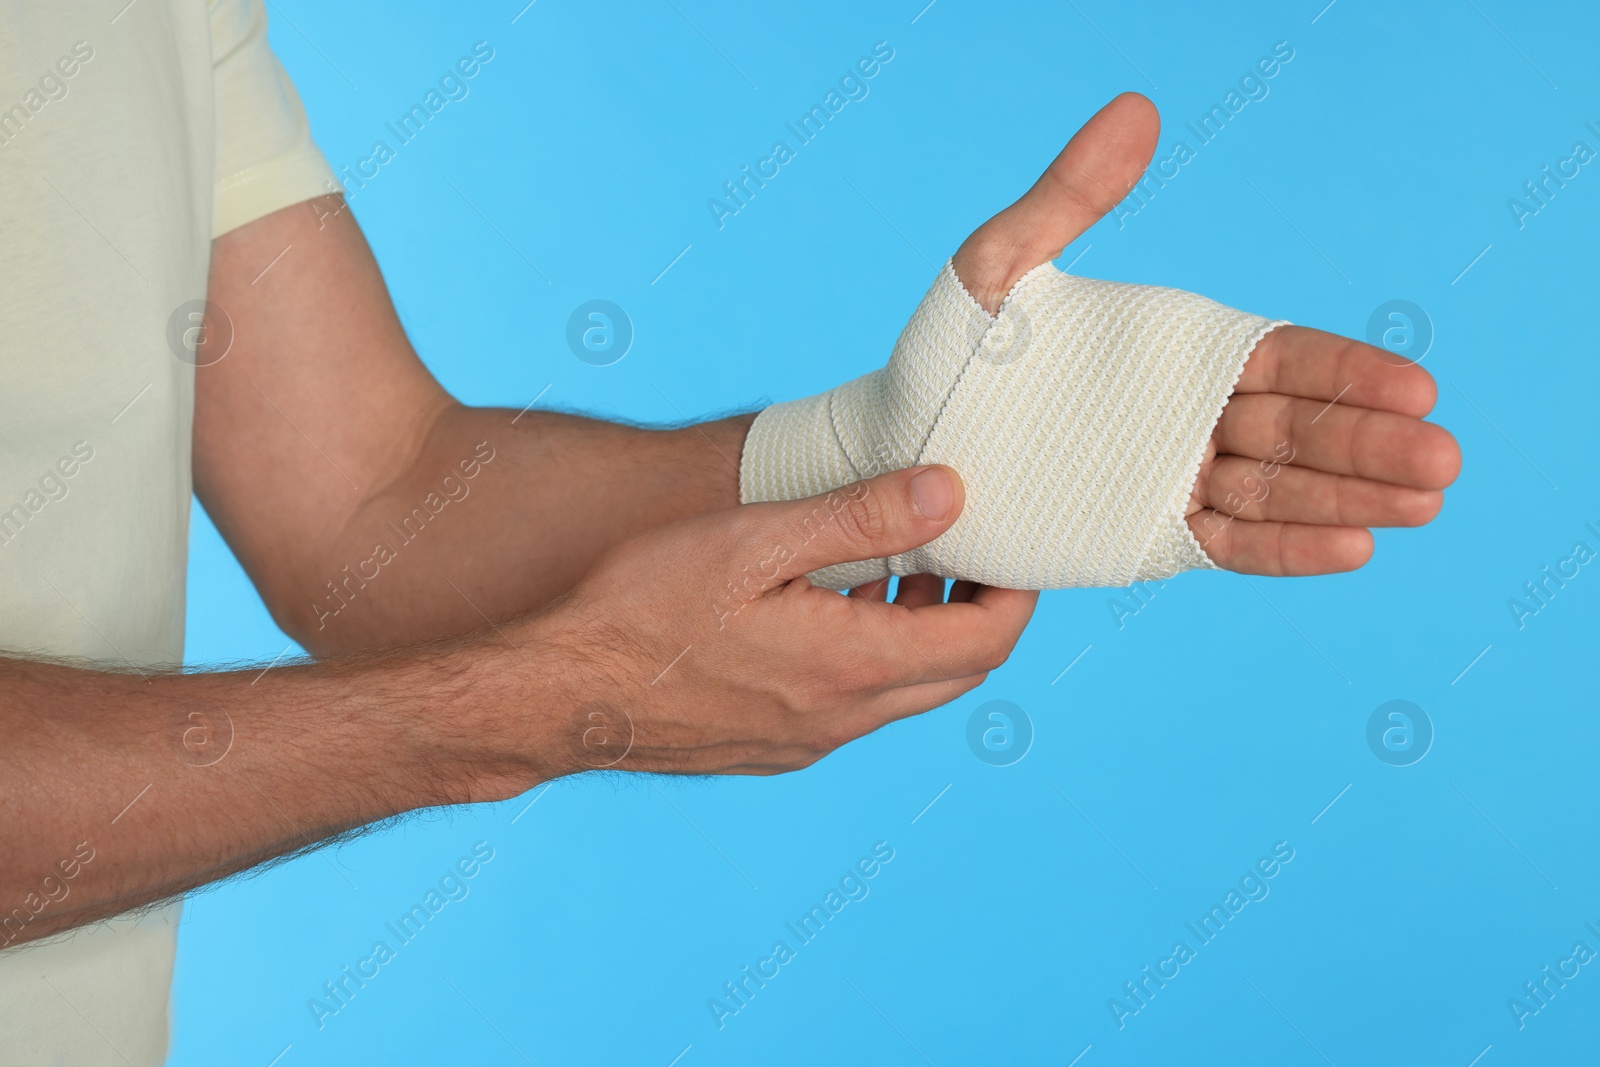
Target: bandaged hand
x: 1111, y: 433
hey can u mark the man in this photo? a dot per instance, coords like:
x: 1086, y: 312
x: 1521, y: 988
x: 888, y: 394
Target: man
x: 564, y: 617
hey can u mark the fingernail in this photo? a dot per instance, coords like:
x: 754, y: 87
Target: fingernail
x: 932, y: 493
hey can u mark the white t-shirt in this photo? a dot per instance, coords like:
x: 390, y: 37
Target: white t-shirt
x: 130, y: 136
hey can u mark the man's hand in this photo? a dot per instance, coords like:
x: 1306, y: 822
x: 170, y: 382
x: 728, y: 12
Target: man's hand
x: 701, y: 648
x: 1323, y: 435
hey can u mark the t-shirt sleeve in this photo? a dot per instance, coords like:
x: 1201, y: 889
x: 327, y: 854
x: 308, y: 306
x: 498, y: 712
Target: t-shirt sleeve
x: 266, y: 159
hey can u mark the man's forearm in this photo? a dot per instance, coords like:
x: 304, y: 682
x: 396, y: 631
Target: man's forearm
x: 125, y: 789
x: 501, y: 512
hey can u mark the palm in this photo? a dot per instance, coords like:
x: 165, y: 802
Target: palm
x: 1323, y: 436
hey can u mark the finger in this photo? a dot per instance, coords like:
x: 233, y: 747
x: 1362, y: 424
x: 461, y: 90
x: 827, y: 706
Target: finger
x: 963, y: 591
x: 937, y: 642
x: 1298, y: 361
x: 1378, y: 445
x: 1019, y: 602
x: 875, y: 590
x: 874, y: 519
x: 1280, y: 549
x: 1090, y: 177
x: 920, y: 590
x: 967, y: 637
x: 1239, y: 487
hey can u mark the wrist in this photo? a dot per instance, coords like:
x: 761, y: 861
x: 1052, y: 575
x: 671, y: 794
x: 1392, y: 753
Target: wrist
x: 501, y: 714
x: 709, y: 458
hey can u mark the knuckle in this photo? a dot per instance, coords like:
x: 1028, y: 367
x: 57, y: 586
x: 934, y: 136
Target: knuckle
x: 860, y: 518
x: 1213, y: 531
x: 959, y: 687
x: 835, y: 737
x: 996, y: 656
x: 1285, y: 424
x: 864, y: 674
x: 822, y: 730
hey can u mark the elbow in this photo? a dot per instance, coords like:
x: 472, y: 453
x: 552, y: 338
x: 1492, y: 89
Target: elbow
x: 342, y: 620
x: 312, y: 622
x: 304, y: 624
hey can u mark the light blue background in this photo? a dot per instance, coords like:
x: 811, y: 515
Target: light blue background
x: 1222, y: 718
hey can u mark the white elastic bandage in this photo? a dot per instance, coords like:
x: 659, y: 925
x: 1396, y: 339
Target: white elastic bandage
x: 1077, y: 417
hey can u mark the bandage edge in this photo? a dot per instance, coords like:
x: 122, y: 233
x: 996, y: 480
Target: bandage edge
x: 1191, y: 540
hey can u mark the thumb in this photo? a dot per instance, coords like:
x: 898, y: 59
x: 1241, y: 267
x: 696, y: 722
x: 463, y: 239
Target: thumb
x: 1089, y: 178
x: 873, y: 519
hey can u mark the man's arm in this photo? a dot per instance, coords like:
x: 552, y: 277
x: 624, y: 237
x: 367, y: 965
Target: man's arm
x: 123, y: 789
x: 697, y: 648
x: 367, y: 505
x: 320, y: 435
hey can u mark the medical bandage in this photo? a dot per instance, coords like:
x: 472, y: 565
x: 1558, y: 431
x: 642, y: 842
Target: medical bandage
x: 1077, y: 417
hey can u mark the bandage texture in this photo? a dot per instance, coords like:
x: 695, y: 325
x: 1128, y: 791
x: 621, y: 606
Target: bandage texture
x: 1077, y: 417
